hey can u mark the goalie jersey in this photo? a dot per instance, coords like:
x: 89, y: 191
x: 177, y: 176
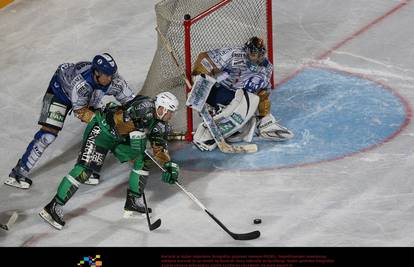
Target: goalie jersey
x: 75, y: 86
x: 236, y: 69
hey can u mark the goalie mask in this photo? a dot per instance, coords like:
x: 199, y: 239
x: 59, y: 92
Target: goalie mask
x: 166, y: 100
x: 255, y: 51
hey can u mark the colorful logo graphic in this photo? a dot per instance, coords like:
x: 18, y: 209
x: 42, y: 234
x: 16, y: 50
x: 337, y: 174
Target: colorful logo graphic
x: 90, y: 261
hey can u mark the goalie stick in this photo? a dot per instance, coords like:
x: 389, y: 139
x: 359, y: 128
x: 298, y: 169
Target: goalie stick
x: 236, y: 236
x: 212, y: 126
x: 157, y: 223
x: 10, y: 222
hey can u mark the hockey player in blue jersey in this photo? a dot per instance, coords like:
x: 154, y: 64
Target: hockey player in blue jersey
x: 79, y: 87
x: 242, y: 75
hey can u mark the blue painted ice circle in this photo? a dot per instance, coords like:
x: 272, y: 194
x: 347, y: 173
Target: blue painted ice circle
x: 332, y: 114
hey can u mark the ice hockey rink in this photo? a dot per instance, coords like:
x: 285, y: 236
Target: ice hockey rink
x: 345, y: 86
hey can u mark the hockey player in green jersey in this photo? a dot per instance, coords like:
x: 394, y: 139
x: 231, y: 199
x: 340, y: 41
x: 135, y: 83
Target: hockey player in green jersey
x: 125, y: 132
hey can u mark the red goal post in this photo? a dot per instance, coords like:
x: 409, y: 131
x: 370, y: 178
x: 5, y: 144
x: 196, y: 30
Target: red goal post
x: 194, y: 26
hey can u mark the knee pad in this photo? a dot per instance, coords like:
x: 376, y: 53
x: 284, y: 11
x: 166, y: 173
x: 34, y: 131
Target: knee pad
x: 34, y: 151
x: 80, y: 173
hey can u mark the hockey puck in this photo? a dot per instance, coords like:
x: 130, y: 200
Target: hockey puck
x: 257, y: 221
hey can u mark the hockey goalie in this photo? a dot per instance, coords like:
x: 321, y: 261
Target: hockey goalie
x: 238, y: 95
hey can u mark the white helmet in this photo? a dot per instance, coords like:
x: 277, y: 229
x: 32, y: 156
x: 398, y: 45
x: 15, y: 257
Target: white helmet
x: 166, y: 100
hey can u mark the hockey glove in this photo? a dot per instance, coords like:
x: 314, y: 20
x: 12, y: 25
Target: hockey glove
x: 171, y: 172
x: 138, y: 141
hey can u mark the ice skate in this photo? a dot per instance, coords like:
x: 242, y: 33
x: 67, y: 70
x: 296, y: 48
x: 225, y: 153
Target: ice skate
x: 18, y: 177
x: 53, y: 214
x: 134, y: 206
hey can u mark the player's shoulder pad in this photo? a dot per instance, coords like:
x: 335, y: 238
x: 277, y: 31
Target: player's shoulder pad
x: 118, y: 83
x: 83, y: 66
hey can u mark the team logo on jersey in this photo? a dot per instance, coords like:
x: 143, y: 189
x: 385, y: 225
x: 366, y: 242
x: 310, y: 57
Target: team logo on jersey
x: 82, y: 90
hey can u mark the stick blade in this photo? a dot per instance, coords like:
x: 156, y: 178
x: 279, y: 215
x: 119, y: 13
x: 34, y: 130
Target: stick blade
x: 246, y: 236
x: 155, y: 225
x: 227, y: 148
x: 10, y: 222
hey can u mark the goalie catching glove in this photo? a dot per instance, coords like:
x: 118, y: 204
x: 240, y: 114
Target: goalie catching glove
x: 171, y: 172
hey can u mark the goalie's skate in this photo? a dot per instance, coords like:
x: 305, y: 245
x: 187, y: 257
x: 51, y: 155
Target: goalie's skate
x: 270, y: 129
x: 134, y: 206
x: 18, y: 177
x: 53, y: 214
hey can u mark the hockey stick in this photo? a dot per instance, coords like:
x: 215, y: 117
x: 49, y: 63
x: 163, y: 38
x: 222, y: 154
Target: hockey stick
x: 10, y: 223
x: 212, y: 126
x: 157, y: 223
x: 236, y: 236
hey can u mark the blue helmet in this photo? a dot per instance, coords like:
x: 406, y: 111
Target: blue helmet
x: 104, y: 63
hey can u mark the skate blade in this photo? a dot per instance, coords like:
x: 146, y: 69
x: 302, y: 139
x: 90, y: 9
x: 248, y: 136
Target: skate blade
x: 46, y: 216
x: 13, y: 182
x: 92, y: 181
x: 133, y: 215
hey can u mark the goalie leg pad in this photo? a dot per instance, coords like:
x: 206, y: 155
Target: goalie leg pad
x: 203, y: 139
x: 245, y: 133
x: 231, y: 119
x: 237, y: 113
x: 270, y: 129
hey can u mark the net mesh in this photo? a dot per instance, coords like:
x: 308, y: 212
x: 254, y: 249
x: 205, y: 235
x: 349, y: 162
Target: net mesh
x: 232, y: 24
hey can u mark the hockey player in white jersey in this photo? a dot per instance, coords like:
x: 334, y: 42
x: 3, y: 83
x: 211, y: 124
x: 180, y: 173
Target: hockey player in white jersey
x: 242, y: 73
x: 79, y: 87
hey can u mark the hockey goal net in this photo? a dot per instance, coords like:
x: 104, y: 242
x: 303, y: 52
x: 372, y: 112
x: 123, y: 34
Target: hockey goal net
x: 193, y: 26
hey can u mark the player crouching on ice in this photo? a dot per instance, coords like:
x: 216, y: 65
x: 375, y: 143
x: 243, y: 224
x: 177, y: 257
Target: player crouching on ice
x: 79, y: 87
x: 124, y: 131
x: 239, y: 94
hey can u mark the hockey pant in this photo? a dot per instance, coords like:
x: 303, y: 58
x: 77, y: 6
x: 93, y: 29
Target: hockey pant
x: 97, y: 142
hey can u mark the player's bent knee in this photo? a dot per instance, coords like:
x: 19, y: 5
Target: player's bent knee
x: 50, y: 130
x: 81, y: 173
